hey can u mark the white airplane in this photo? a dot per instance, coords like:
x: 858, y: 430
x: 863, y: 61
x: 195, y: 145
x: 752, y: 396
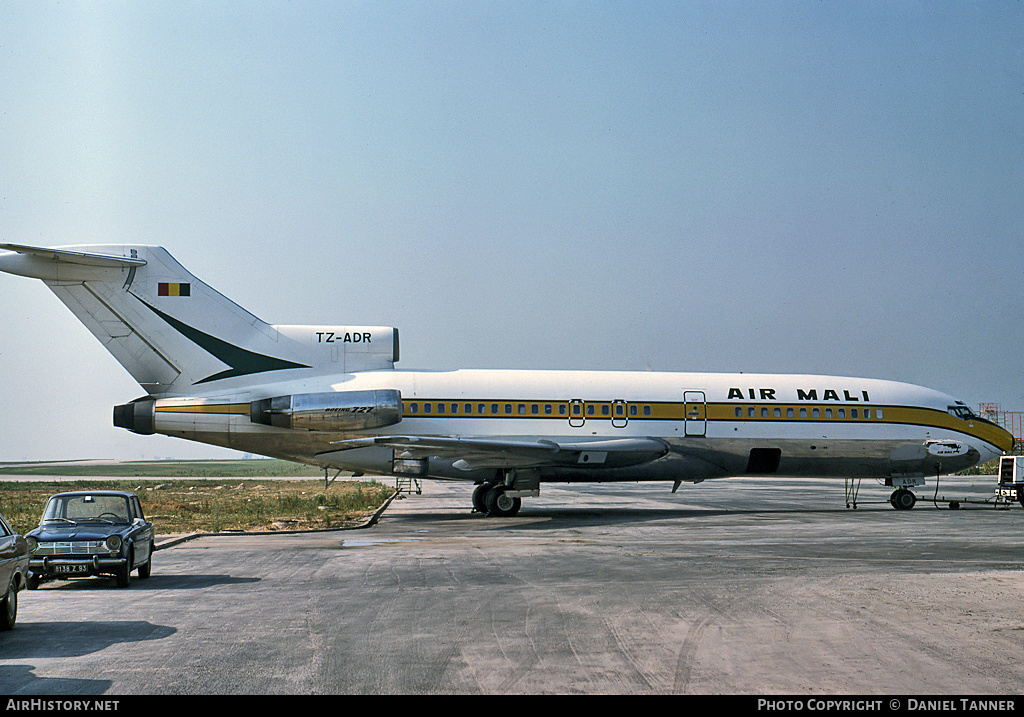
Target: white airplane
x: 329, y: 395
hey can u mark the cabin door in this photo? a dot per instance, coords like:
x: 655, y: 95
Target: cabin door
x: 696, y: 412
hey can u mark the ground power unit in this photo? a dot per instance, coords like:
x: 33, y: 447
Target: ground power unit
x: 1011, y: 479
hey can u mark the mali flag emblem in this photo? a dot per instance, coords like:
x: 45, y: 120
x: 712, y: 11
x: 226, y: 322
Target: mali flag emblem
x: 174, y: 289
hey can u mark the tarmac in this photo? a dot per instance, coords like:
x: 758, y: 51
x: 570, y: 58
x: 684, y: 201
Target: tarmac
x: 736, y: 587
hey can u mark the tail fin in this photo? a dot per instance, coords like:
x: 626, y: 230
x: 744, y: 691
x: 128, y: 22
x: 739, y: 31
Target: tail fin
x: 167, y: 328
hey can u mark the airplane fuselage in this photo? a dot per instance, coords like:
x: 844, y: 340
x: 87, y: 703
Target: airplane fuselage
x: 712, y: 425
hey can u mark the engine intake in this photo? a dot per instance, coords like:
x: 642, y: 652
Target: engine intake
x: 337, y: 411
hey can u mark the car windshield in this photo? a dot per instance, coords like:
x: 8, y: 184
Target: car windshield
x: 86, y: 509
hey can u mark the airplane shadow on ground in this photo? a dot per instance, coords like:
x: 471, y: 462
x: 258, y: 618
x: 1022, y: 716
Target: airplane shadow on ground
x: 539, y: 518
x: 48, y: 640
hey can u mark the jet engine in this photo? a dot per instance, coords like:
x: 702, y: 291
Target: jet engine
x: 337, y: 411
x: 137, y: 416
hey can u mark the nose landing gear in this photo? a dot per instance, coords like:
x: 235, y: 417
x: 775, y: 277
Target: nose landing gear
x: 902, y: 499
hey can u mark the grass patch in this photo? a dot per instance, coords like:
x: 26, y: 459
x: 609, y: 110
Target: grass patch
x: 177, y: 499
x: 257, y: 468
x: 205, y: 506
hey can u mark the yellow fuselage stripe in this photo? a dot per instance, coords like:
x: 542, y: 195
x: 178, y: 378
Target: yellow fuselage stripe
x: 561, y: 410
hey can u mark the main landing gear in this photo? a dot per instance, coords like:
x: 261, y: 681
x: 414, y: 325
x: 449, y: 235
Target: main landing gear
x: 493, y: 501
x: 502, y: 496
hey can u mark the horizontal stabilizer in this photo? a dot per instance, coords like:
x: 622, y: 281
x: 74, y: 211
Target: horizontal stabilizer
x: 60, y: 264
x: 172, y: 332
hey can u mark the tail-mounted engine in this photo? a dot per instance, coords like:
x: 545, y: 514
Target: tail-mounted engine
x: 338, y: 411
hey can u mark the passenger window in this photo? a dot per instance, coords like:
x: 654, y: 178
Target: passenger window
x: 414, y: 408
x: 853, y: 413
x: 878, y: 413
x: 764, y: 412
x: 455, y: 408
x: 803, y: 413
x: 426, y: 408
x: 815, y: 413
x: 739, y: 412
x: 841, y: 413
x: 548, y: 409
x: 778, y: 412
x: 647, y: 410
x: 534, y: 409
x: 828, y: 413
x: 508, y: 409
x: 522, y: 409
x: 751, y: 412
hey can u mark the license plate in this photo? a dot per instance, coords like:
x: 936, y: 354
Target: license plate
x: 70, y: 569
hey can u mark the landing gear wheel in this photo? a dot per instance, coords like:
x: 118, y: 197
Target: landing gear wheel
x: 480, y: 497
x: 902, y: 499
x: 501, y: 505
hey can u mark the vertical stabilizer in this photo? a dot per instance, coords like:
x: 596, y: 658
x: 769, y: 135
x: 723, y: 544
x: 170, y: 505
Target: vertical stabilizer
x: 168, y: 329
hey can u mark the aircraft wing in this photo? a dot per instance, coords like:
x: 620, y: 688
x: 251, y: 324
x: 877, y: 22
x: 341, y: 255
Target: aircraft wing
x: 478, y: 453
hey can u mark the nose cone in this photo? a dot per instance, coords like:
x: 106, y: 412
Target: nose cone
x: 998, y: 441
x: 1004, y: 441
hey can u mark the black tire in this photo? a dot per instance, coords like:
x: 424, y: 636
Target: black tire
x: 32, y: 582
x: 124, y: 574
x: 480, y: 497
x: 9, y: 607
x: 500, y: 505
x: 146, y: 570
x: 903, y: 499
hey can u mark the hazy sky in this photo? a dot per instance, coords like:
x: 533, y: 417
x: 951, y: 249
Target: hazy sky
x: 816, y: 186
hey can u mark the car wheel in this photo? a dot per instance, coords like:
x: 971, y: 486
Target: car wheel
x: 145, y: 570
x: 9, y: 608
x: 124, y: 574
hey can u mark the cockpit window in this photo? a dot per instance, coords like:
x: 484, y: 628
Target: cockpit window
x: 961, y: 411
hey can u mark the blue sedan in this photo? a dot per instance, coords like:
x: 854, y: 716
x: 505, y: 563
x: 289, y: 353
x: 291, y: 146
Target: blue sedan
x: 88, y: 533
x: 14, y: 552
